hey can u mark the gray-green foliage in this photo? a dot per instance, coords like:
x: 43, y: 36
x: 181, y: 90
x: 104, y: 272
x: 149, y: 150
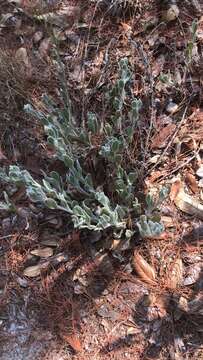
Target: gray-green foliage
x: 192, y: 42
x: 77, y: 192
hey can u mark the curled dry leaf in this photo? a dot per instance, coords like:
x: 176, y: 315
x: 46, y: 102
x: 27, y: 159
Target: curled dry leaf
x: 32, y: 271
x: 184, y: 201
x: 50, y: 242
x: 193, y: 273
x: 143, y: 269
x: 175, y: 275
x: 44, y: 253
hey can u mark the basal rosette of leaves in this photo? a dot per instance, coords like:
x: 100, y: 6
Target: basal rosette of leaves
x: 76, y: 192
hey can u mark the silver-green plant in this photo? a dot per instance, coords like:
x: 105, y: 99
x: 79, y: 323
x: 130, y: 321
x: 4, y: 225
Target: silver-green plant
x: 76, y: 192
x: 192, y: 42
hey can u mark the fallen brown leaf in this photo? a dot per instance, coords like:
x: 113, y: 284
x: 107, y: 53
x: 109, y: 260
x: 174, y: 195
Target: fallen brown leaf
x: 193, y: 273
x: 32, y: 271
x: 44, y: 253
x: 175, y: 275
x: 143, y: 269
x: 185, y: 202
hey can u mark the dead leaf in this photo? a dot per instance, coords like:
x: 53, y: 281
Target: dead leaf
x: 184, y: 201
x: 193, y: 274
x: 32, y: 271
x: 44, y: 253
x: 175, y: 274
x: 159, y: 140
x: 191, y: 182
x: 50, y: 242
x: 144, y: 270
x: 73, y: 341
x: 158, y: 305
x: 196, y: 305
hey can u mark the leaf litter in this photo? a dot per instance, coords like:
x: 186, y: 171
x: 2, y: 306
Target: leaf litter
x: 185, y: 202
x: 178, y: 276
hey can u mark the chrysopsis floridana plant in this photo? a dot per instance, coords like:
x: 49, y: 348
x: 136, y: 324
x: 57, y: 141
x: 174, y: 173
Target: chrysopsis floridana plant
x: 76, y: 192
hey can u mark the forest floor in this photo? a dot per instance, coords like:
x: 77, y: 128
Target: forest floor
x: 90, y: 304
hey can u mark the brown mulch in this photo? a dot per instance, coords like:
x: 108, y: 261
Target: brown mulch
x: 95, y: 306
